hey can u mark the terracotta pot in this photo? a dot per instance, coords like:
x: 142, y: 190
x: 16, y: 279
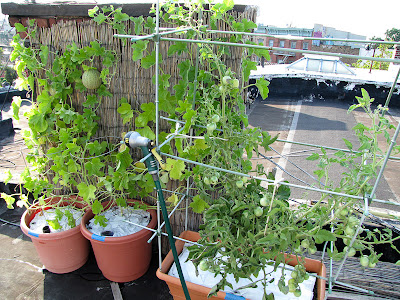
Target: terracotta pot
x: 60, y: 252
x: 199, y: 292
x: 125, y: 258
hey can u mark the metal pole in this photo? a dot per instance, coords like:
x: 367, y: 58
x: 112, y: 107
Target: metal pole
x: 279, y: 140
x: 163, y: 233
x: 262, y: 178
x: 392, y: 143
x: 373, y: 55
x: 159, y: 241
x: 305, y: 38
x: 280, y: 49
x: 392, y: 89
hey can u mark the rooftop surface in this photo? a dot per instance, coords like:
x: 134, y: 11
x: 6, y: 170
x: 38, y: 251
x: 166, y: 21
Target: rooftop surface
x: 362, y: 76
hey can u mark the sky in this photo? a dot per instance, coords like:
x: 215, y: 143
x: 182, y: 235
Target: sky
x: 369, y: 17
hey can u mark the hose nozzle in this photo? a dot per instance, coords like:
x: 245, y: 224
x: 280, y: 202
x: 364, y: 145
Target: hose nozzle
x: 133, y: 139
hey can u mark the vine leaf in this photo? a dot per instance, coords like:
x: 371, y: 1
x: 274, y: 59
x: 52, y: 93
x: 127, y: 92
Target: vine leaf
x: 124, y: 160
x: 173, y: 199
x: 248, y: 66
x: 37, y: 122
x: 180, y: 89
x: 188, y: 116
x: 9, y: 200
x: 175, y: 168
x: 91, y: 100
x: 125, y: 112
x: 248, y: 25
x: 138, y: 24
x: 54, y: 224
x: 96, y: 148
x: 150, y: 60
x: 16, y: 105
x: 184, y: 69
x: 86, y: 191
x: 19, y: 27
x: 268, y: 140
x: 97, y: 207
x: 94, y: 167
x: 179, y: 47
x: 147, y: 132
x: 148, y: 114
x: 262, y: 86
x: 138, y: 49
x: 198, y: 205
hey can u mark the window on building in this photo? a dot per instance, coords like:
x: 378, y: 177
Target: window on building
x: 282, y: 44
x: 305, y: 45
x: 261, y: 41
x: 271, y: 43
x: 293, y: 45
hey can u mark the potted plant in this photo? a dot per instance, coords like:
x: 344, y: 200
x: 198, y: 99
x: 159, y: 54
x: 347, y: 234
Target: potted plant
x: 57, y: 133
x: 68, y: 156
x: 253, y: 224
x: 127, y: 257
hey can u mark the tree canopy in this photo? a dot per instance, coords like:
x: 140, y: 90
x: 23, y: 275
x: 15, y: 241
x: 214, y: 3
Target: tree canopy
x: 393, y: 34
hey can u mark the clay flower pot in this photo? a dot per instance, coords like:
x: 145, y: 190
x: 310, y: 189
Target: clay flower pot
x: 60, y: 252
x: 199, y: 292
x: 121, y: 259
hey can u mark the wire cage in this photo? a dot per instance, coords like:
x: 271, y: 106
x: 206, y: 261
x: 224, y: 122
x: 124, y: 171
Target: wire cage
x: 160, y: 37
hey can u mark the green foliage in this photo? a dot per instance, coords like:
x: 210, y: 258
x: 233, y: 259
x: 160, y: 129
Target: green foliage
x: 10, y: 75
x: 65, y: 152
x: 393, y: 34
x: 383, y: 52
x: 208, y: 98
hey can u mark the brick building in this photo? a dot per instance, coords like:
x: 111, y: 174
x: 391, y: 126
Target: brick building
x: 285, y: 37
x: 288, y: 40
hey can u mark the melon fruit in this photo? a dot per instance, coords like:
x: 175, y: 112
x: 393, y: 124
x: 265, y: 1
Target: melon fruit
x: 91, y: 79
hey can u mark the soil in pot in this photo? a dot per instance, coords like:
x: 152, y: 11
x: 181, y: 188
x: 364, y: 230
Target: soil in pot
x: 60, y: 252
x: 200, y: 292
x: 122, y: 258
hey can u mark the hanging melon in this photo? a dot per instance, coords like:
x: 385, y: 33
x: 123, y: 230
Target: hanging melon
x: 91, y: 79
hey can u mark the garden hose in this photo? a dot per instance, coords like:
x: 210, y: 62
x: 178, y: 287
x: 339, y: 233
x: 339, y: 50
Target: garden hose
x: 134, y: 139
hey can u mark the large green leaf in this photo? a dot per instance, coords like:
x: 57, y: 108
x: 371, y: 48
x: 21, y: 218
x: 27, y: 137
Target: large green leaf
x: 126, y: 112
x: 37, y: 122
x: 324, y: 235
x: 148, y: 114
x: 262, y: 86
x: 198, y: 205
x: 87, y: 192
x: 175, y: 168
x: 150, y: 60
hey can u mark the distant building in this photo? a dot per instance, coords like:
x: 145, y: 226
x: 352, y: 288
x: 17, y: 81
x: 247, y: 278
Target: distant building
x: 287, y: 40
x: 285, y: 37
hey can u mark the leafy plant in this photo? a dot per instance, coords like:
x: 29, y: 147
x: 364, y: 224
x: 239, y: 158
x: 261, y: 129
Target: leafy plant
x: 66, y: 155
x: 383, y: 52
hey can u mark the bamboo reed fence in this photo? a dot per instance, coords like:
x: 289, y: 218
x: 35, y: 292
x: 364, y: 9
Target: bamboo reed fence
x: 131, y: 81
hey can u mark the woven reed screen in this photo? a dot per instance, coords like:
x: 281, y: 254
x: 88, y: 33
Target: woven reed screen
x: 130, y: 80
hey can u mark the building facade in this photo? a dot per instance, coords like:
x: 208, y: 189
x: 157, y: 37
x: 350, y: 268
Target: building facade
x: 285, y: 37
x: 287, y: 40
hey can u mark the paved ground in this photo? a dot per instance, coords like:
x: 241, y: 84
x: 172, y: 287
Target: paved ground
x: 317, y: 122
